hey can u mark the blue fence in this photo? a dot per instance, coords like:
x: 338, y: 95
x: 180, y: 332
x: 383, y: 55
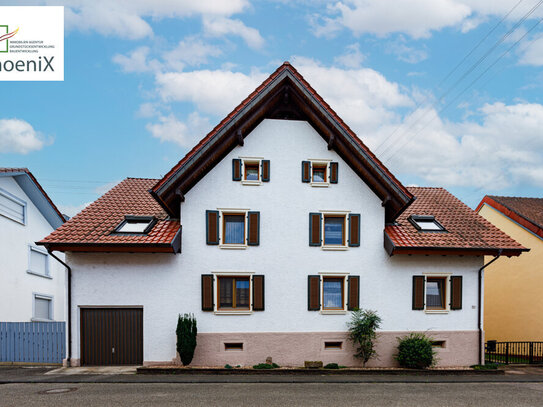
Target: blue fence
x: 32, y: 342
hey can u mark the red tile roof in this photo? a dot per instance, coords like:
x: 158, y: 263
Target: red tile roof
x: 466, y: 232
x: 27, y: 171
x: 92, y: 227
x: 527, y: 212
x: 253, y: 95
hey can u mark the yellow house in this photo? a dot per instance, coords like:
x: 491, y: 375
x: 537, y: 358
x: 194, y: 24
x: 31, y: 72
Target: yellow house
x: 513, y: 297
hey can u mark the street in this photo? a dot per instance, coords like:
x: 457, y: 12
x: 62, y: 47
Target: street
x: 269, y: 394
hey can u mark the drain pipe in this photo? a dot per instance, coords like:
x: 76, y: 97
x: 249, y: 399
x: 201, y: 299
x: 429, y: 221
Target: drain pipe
x: 480, y: 316
x: 69, y: 319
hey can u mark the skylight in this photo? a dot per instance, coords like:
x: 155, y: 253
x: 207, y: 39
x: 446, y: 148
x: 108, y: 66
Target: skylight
x: 426, y: 223
x: 136, y: 224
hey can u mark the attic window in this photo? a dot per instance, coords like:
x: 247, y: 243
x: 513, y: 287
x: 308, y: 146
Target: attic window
x: 426, y: 223
x: 136, y: 224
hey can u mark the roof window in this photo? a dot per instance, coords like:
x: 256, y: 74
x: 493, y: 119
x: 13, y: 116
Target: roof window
x: 136, y: 224
x: 426, y: 223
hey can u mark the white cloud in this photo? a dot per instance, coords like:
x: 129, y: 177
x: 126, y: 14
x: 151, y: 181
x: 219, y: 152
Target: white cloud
x: 533, y: 53
x: 405, y: 53
x: 18, y: 136
x: 352, y: 58
x: 222, y: 26
x: 137, y: 61
x: 185, y: 134
x: 191, y: 51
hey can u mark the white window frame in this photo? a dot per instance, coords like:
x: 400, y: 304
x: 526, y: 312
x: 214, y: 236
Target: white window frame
x: 251, y: 160
x: 334, y: 274
x: 447, y: 289
x: 320, y: 162
x: 232, y: 211
x: 50, y: 298
x: 16, y: 200
x: 232, y: 273
x: 47, y: 263
x: 345, y: 214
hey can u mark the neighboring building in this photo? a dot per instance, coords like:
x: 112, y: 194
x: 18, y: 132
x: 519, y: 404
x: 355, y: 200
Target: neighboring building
x: 32, y: 283
x: 288, y: 222
x: 513, y: 300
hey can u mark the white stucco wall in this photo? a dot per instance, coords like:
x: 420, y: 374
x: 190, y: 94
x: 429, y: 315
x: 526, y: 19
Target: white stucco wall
x: 16, y: 285
x: 166, y: 285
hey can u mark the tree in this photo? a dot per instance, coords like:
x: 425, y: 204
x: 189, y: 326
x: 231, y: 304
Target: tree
x: 362, y: 332
x: 186, y: 337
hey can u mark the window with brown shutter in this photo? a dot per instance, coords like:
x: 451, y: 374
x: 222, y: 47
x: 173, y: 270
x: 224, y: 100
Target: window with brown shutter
x: 253, y: 235
x: 315, y: 220
x: 354, y: 229
x: 258, y: 292
x: 212, y: 227
x: 306, y: 171
x: 418, y: 292
x: 236, y: 169
x: 334, y: 172
x: 265, y: 170
x: 313, y: 293
x: 353, y: 293
x: 207, y: 292
x: 456, y: 292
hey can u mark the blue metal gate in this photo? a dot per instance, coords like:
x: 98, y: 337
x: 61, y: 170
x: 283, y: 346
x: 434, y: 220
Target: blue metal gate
x: 32, y: 342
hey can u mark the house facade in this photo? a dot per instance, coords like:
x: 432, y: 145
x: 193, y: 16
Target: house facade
x: 513, y: 304
x: 32, y: 283
x: 276, y: 225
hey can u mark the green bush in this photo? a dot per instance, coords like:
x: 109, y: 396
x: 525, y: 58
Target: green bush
x: 415, y: 351
x: 186, y: 337
x: 362, y: 332
x: 227, y: 366
x: 332, y: 366
x: 486, y: 366
x: 266, y: 366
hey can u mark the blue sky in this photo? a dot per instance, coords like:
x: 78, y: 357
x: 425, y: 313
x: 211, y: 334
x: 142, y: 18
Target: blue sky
x: 144, y: 81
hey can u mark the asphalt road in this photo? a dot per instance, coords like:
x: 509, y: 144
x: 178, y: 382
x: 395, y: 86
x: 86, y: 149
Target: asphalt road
x: 268, y: 394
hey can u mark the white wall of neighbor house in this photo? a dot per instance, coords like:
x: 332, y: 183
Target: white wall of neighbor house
x: 166, y: 285
x: 17, y: 285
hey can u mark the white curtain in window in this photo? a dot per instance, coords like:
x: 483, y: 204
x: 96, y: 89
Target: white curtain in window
x: 42, y: 308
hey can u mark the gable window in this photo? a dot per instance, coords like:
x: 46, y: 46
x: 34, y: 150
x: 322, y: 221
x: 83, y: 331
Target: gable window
x: 38, y: 262
x: 136, y: 224
x: 426, y: 223
x: 234, y: 228
x: 42, y: 307
x: 12, y: 207
x: 250, y: 170
x: 320, y: 173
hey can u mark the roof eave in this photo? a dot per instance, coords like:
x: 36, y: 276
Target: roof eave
x: 111, y: 247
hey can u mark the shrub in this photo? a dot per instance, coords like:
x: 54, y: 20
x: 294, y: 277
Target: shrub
x: 486, y: 366
x: 227, y: 366
x: 332, y: 366
x: 186, y: 337
x: 362, y: 332
x: 415, y: 351
x: 266, y: 366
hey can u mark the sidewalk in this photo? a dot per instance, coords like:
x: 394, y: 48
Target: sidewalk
x: 123, y: 374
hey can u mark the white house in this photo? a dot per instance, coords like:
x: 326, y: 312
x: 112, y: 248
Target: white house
x: 270, y: 230
x: 32, y: 283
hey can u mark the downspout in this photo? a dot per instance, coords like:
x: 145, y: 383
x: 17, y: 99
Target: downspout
x: 480, y: 315
x: 69, y: 319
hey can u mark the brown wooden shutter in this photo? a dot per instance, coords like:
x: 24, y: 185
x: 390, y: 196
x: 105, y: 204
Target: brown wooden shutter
x: 333, y: 172
x: 253, y: 227
x: 315, y: 232
x: 353, y: 293
x: 258, y: 292
x: 236, y: 169
x: 354, y: 229
x: 306, y: 171
x: 265, y: 170
x: 456, y: 292
x: 207, y: 292
x: 212, y: 227
x: 418, y: 292
x: 314, y: 293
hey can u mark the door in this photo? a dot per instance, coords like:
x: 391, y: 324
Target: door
x: 111, y: 336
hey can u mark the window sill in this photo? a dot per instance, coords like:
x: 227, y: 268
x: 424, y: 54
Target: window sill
x: 337, y: 248
x: 41, y: 320
x: 233, y: 246
x: 333, y: 312
x: 233, y: 312
x: 250, y: 182
x: 34, y: 273
x: 436, y: 311
x: 320, y: 184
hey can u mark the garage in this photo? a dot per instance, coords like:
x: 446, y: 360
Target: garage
x: 111, y: 336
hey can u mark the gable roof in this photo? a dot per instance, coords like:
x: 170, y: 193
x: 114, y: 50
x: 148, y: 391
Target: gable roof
x: 527, y: 212
x: 466, y: 231
x: 90, y: 229
x: 285, y: 94
x: 32, y: 188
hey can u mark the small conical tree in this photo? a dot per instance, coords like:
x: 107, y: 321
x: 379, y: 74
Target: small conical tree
x: 186, y: 337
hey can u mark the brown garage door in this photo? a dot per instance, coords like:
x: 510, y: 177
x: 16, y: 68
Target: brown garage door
x: 111, y: 336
